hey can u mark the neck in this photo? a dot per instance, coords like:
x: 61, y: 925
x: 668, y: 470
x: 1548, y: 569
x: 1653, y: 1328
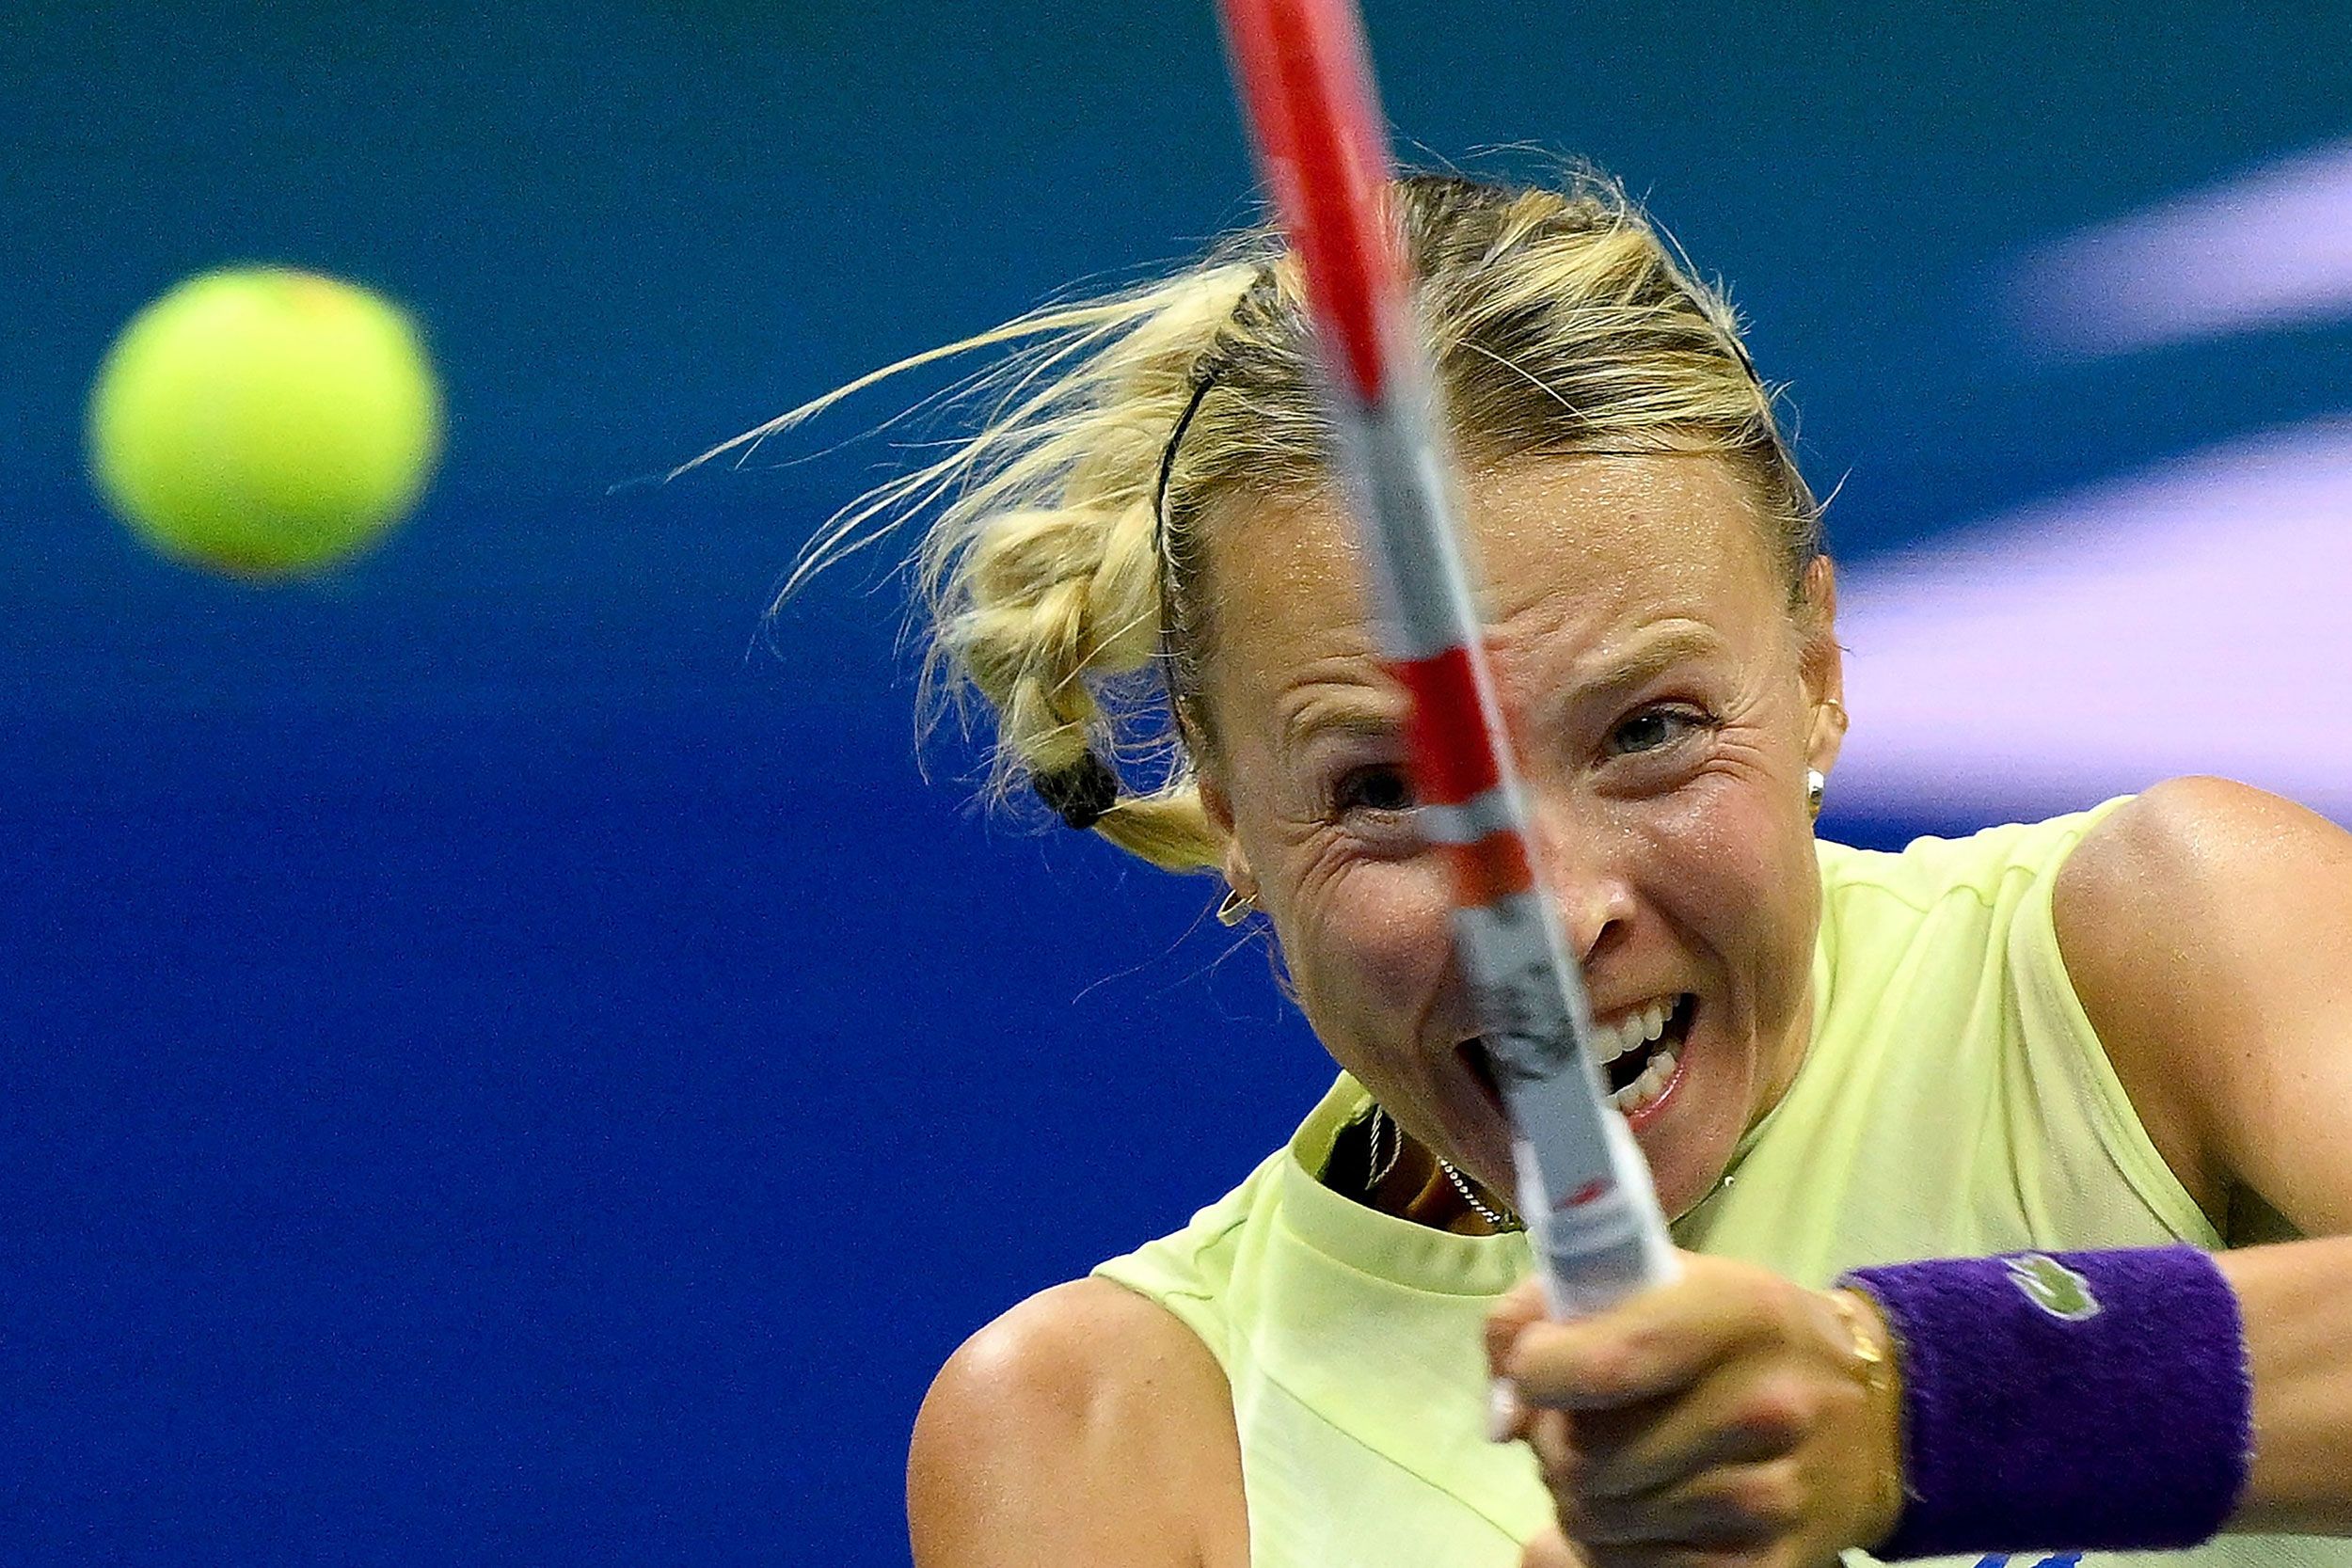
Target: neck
x: 1416, y: 1189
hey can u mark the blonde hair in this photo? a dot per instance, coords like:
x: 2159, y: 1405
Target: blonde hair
x: 1060, y: 573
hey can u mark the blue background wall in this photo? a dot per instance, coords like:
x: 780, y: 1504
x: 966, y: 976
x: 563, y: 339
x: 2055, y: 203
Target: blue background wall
x: 496, y: 1066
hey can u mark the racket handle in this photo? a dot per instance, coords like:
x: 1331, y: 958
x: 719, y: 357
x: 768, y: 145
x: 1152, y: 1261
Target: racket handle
x: 1584, y: 1189
x: 1612, y: 1243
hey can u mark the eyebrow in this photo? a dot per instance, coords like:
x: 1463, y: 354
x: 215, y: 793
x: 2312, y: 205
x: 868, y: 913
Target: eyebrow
x: 1377, y: 717
x: 1371, y: 716
x: 1652, y: 654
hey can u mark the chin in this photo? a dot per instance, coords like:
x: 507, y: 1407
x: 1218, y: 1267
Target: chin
x: 1684, y: 1176
x: 1688, y: 1130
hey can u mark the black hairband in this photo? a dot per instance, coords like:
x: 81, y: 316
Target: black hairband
x: 1204, y: 376
x: 1080, y: 792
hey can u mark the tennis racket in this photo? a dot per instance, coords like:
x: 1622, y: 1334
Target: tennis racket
x: 1304, y: 75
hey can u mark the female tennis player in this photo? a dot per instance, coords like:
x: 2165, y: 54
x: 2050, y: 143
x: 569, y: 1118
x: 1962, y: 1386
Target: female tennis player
x: 2006, y: 1169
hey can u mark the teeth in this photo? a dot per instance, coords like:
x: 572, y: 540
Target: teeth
x: 1612, y: 1040
x: 1646, y: 1087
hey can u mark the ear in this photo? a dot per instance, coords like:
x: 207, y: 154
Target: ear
x: 1821, y: 665
x: 1217, y: 807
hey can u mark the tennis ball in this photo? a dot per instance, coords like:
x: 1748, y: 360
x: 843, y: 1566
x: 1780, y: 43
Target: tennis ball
x: 263, y: 421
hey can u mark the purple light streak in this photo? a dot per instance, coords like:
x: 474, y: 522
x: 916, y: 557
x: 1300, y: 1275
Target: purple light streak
x: 2270, y: 249
x: 2195, y: 618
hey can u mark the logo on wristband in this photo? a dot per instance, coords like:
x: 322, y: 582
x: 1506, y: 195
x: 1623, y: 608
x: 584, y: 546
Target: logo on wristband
x: 2052, y: 1286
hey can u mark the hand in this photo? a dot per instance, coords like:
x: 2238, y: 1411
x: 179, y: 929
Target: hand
x: 1720, y: 1419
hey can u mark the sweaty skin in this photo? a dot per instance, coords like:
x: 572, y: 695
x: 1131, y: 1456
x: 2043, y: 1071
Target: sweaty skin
x: 1669, y: 701
x: 2207, y: 931
x: 1667, y: 706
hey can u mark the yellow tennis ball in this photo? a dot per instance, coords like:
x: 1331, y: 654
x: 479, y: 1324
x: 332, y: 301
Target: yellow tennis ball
x: 265, y: 422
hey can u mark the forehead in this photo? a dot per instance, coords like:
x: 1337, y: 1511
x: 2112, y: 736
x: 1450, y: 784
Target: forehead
x: 1572, y: 549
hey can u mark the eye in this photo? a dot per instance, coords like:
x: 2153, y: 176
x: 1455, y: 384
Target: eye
x: 1655, y: 728
x: 1383, y: 788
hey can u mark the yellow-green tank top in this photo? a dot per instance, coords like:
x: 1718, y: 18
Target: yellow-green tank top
x: 1953, y: 1100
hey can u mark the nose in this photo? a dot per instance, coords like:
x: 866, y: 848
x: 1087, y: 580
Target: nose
x: 1583, y: 863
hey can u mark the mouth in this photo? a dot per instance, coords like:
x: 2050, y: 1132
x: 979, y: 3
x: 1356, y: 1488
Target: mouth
x: 1639, y: 1055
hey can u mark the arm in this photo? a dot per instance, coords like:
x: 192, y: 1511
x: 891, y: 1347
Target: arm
x: 1088, y: 1425
x: 2207, y: 929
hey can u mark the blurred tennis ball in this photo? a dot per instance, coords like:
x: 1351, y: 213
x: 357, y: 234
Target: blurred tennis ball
x: 265, y: 422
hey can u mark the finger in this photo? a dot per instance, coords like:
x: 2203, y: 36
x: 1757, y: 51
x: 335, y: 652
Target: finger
x: 1556, y: 1457
x: 1735, y: 1414
x: 1676, y: 1555
x: 1550, y: 1550
x: 1522, y: 1306
x: 1723, y: 1510
x: 1506, y: 1413
x: 1656, y: 1344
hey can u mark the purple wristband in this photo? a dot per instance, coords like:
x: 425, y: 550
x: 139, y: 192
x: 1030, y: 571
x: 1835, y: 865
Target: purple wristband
x: 2073, y: 1400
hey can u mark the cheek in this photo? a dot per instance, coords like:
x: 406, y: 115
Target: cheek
x: 1366, y: 942
x: 1744, y: 881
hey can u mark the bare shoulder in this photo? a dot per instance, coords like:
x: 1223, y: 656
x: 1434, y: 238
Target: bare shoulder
x: 1085, y: 1425
x: 2207, y: 929
x: 2216, y: 826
